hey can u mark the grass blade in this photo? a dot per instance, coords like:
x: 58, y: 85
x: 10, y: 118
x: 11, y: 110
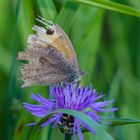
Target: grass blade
x: 112, y: 6
x: 123, y: 121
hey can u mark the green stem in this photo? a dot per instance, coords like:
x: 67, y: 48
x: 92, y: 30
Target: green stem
x: 49, y: 132
x: 67, y: 137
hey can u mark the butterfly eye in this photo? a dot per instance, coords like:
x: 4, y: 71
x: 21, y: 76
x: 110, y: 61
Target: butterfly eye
x: 50, y: 32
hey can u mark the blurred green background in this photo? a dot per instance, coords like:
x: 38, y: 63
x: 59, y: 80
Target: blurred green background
x: 108, y: 49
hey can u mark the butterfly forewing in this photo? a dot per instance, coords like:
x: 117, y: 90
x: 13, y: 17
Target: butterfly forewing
x: 59, y: 40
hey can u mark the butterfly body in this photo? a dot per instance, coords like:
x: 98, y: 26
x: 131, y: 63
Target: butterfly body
x: 51, y: 57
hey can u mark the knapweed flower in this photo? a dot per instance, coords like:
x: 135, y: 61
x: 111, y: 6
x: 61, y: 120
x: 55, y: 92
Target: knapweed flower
x: 73, y: 97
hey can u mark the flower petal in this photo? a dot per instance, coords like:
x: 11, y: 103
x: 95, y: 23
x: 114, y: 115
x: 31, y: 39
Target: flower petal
x: 102, y: 104
x: 105, y: 109
x: 37, y: 110
x: 74, y: 129
x: 57, y: 120
x: 79, y: 131
x: 87, y: 127
x: 42, y: 100
x: 94, y: 116
x: 50, y: 120
x: 31, y: 124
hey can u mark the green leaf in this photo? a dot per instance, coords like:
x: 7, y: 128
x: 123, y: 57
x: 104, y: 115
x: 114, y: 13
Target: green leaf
x: 113, y: 6
x: 88, y: 121
x: 122, y: 121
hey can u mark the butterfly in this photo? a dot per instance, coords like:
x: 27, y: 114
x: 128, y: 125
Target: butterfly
x: 51, y: 56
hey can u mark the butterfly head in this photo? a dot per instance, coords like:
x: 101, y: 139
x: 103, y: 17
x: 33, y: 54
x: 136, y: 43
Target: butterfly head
x: 76, y: 76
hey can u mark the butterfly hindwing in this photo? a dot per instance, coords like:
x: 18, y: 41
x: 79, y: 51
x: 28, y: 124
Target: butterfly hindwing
x: 48, y: 67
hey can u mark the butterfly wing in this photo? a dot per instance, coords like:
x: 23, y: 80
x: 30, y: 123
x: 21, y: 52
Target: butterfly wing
x: 59, y: 40
x: 51, y: 56
x: 47, y: 65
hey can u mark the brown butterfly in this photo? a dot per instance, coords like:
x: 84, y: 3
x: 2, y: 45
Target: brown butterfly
x: 51, y: 57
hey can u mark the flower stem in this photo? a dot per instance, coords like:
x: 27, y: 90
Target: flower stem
x: 67, y: 137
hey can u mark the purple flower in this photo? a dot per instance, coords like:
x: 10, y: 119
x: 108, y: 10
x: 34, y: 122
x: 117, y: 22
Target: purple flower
x: 73, y: 97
